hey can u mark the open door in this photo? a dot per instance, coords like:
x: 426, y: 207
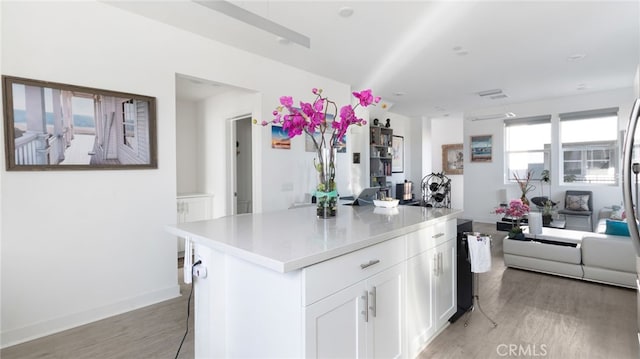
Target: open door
x: 242, y: 165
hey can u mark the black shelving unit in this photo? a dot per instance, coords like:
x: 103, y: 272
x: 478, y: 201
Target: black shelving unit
x: 380, y: 157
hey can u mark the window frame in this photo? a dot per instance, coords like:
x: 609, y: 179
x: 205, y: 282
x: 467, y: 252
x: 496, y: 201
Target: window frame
x: 586, y: 147
x: 545, y: 151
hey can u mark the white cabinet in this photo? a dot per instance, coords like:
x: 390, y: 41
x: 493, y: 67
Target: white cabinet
x: 431, y: 283
x: 420, y: 322
x: 335, y: 327
x: 386, y: 300
x: 445, y: 282
x: 364, y: 320
x: 195, y: 207
x: 191, y: 208
x: 385, y: 332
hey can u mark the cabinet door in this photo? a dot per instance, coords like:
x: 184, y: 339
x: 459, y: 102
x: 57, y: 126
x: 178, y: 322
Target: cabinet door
x: 420, y: 301
x: 335, y: 326
x: 445, y: 287
x: 385, y: 333
x: 197, y: 209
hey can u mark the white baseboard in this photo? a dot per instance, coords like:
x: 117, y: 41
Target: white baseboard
x: 16, y: 336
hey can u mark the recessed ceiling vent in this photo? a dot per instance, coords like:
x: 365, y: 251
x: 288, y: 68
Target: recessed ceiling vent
x: 492, y: 94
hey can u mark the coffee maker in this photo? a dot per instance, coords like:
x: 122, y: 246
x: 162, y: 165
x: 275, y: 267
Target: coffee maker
x: 404, y: 191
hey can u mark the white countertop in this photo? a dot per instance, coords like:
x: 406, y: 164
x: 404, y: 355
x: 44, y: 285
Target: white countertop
x: 292, y: 239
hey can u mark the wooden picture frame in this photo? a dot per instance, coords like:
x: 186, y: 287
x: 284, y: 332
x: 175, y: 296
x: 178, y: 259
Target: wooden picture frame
x: 55, y: 126
x: 397, y: 161
x: 482, y: 148
x: 452, y: 159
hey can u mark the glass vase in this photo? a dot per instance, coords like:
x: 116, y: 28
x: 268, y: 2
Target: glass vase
x: 326, y: 192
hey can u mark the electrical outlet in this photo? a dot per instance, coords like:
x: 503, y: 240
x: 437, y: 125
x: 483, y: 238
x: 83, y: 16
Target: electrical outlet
x: 200, y: 271
x: 287, y: 186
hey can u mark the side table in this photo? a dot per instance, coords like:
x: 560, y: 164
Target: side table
x: 506, y: 223
x: 557, y: 223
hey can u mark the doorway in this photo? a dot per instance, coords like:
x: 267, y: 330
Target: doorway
x: 243, y: 165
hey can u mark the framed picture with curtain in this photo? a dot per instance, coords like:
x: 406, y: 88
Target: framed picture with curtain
x: 452, y: 159
x: 56, y: 126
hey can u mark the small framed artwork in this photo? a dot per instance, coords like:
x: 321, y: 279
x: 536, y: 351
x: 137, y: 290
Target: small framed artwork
x: 452, y: 159
x: 55, y: 126
x: 481, y: 148
x: 397, y: 161
x: 356, y: 158
x: 279, y: 138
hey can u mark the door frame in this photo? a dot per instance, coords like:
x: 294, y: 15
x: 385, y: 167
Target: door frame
x: 232, y: 165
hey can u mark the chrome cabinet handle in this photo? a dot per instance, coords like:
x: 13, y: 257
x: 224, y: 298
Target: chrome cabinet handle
x: 371, y: 262
x: 373, y: 301
x: 365, y: 312
x: 435, y: 264
x: 437, y: 235
x: 440, y: 269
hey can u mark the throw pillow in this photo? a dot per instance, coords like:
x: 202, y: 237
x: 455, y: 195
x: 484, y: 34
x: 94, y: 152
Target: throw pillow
x: 616, y: 213
x: 617, y: 228
x: 578, y: 203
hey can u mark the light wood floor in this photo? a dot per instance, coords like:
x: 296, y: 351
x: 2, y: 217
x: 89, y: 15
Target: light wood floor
x: 546, y: 316
x: 550, y: 316
x: 151, y: 332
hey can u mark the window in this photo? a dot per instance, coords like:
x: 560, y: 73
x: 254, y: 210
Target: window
x: 589, y: 146
x: 527, y: 144
x: 129, y: 123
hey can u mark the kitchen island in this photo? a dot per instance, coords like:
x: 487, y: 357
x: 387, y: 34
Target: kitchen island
x: 370, y: 282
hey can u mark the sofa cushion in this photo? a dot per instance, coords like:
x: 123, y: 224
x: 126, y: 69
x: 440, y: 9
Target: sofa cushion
x: 617, y: 228
x: 550, y: 252
x: 607, y: 251
x: 577, y: 202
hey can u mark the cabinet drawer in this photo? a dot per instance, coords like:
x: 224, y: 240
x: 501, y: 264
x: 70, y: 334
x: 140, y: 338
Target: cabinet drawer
x: 432, y: 236
x: 328, y: 277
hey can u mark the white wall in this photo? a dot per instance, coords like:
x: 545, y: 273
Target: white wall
x: 214, y: 142
x: 449, y: 130
x: 427, y: 138
x: 484, y: 180
x: 636, y: 83
x: 79, y: 246
x: 187, y: 154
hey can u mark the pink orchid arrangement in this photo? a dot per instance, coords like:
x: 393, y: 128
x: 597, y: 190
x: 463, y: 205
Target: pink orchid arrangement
x: 516, y: 210
x: 312, y: 117
x: 309, y: 117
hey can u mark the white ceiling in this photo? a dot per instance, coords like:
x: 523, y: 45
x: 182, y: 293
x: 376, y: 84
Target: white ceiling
x: 418, y: 47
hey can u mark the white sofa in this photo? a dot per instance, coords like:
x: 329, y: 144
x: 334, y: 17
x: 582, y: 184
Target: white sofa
x: 596, y: 257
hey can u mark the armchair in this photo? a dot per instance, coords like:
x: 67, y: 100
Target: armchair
x: 578, y: 210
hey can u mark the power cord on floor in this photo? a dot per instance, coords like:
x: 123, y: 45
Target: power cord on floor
x: 188, y: 308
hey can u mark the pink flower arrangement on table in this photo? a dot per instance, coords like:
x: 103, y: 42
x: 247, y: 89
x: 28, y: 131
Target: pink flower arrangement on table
x: 311, y: 117
x: 516, y: 211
